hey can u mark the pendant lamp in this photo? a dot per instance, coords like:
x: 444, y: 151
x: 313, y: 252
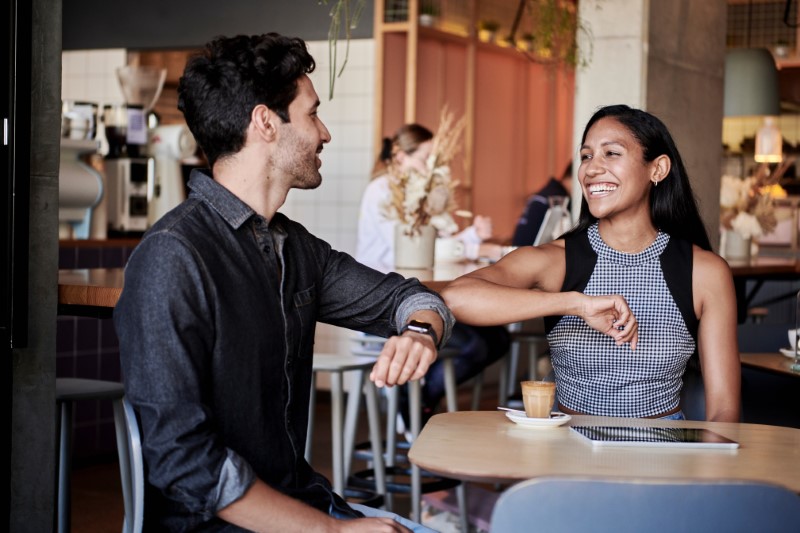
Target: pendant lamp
x: 751, y: 89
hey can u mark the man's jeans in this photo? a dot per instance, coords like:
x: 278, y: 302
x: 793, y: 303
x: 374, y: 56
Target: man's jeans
x: 369, y: 512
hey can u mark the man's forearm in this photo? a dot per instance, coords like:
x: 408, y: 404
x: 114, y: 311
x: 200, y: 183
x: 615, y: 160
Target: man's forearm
x: 263, y: 508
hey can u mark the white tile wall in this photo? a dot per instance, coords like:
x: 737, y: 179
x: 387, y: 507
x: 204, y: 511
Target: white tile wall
x: 90, y: 75
x: 330, y: 212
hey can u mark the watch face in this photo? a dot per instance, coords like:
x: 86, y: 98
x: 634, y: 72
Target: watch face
x: 419, y: 327
x: 423, y: 327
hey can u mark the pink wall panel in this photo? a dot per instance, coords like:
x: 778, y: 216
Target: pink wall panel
x: 523, y: 119
x: 499, y: 139
x: 394, y: 79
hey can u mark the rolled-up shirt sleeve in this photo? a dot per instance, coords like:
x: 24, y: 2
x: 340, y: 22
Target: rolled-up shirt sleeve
x: 358, y: 297
x: 165, y: 327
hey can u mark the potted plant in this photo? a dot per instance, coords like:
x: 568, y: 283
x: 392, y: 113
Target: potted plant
x: 428, y: 13
x: 487, y: 30
x: 781, y: 49
x: 526, y: 42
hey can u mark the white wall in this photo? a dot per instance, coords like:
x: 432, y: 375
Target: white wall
x: 331, y: 211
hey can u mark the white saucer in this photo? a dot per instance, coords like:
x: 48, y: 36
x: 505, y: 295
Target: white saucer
x: 788, y: 352
x: 556, y: 419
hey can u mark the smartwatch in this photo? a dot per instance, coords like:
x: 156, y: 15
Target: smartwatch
x: 422, y: 327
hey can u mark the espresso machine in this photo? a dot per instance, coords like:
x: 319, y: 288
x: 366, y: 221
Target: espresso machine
x: 130, y: 172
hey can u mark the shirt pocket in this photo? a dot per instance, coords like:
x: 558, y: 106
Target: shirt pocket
x: 305, y: 311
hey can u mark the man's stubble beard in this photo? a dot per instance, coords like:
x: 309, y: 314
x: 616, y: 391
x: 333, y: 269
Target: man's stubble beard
x: 298, y: 160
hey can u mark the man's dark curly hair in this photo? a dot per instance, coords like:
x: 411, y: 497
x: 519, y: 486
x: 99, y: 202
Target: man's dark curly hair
x: 221, y: 86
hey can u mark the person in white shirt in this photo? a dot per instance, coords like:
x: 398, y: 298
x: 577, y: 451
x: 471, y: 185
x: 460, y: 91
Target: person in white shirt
x: 478, y: 346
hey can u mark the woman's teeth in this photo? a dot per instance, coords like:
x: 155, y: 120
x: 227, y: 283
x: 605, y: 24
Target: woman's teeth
x: 601, y: 187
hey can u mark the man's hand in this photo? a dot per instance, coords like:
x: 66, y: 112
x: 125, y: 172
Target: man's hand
x: 403, y: 358
x: 612, y: 316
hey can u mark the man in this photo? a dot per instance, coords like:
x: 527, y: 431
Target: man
x: 216, y: 320
x: 531, y: 220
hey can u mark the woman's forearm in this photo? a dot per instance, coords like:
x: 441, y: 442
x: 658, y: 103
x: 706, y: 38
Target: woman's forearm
x: 482, y: 303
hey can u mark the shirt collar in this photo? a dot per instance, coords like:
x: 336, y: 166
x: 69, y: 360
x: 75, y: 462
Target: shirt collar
x: 230, y: 207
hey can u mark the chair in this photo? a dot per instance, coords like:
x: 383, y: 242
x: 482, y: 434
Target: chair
x: 68, y: 391
x: 570, y: 504
x: 368, y: 345
x: 129, y: 442
x: 530, y: 333
x: 342, y: 431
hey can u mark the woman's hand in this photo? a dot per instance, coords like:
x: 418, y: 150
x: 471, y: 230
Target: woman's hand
x: 483, y: 227
x: 611, y: 316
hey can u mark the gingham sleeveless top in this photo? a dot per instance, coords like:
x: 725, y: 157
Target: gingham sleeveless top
x: 596, y: 376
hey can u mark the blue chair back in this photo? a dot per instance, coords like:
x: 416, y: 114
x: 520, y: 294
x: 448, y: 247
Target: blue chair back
x: 569, y: 505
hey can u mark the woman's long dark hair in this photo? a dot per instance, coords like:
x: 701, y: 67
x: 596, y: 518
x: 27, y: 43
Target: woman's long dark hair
x: 673, y: 208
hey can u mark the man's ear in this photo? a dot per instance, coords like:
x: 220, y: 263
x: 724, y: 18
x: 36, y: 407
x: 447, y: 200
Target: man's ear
x: 264, y: 122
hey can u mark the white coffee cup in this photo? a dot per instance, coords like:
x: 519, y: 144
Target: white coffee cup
x: 449, y: 249
x: 792, y: 339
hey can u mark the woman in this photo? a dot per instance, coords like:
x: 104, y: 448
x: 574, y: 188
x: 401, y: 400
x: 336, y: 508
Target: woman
x: 631, y: 292
x: 407, y: 150
x: 477, y: 347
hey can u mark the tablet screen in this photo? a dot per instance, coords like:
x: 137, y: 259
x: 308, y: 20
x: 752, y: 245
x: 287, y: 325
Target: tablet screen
x: 654, y: 436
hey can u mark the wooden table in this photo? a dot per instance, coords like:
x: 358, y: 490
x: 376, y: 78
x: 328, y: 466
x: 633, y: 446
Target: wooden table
x: 760, y: 269
x: 95, y: 291
x: 771, y: 362
x: 485, y: 446
x: 101, y: 287
x: 90, y: 292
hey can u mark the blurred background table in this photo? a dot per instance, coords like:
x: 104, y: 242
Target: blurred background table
x: 771, y: 362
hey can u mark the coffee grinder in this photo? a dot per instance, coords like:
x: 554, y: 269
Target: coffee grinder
x: 168, y: 146
x: 129, y: 171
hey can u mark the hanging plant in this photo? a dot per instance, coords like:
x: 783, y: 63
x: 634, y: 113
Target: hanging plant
x: 345, y: 15
x: 555, y: 30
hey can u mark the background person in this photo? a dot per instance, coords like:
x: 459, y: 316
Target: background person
x: 531, y: 219
x: 632, y: 292
x: 216, y: 321
x: 478, y: 347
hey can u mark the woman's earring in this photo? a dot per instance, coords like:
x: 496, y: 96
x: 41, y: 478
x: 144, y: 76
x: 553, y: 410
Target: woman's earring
x: 655, y: 182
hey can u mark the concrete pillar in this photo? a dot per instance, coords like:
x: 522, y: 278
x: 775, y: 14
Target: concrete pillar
x: 33, y: 368
x: 666, y: 57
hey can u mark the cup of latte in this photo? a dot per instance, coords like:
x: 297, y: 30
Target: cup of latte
x: 538, y: 398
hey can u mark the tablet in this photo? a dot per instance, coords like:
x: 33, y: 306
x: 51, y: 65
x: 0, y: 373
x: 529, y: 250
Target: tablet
x: 654, y: 436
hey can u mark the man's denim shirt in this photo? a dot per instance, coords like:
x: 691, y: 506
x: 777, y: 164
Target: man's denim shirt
x: 216, y: 327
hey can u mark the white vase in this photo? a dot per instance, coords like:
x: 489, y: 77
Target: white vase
x: 414, y: 251
x: 735, y: 247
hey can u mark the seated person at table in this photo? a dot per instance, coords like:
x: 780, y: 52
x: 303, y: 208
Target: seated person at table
x: 531, y: 220
x: 478, y: 347
x: 216, y: 321
x: 632, y: 292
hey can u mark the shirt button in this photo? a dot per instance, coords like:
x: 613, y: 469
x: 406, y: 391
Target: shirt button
x: 266, y: 249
